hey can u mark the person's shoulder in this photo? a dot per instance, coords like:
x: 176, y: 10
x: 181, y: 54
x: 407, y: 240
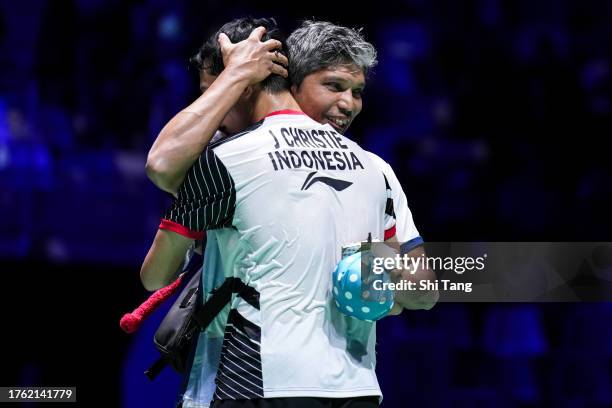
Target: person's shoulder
x: 380, y: 162
x: 236, y: 137
x: 387, y: 171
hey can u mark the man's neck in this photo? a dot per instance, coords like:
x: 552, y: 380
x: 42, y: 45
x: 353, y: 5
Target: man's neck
x: 267, y: 103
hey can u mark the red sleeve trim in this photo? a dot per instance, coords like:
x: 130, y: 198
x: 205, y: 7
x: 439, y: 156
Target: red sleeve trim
x: 390, y: 233
x: 283, y: 112
x: 181, y: 229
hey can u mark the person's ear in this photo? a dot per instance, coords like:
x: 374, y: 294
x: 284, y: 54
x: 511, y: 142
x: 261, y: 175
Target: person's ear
x: 294, y: 89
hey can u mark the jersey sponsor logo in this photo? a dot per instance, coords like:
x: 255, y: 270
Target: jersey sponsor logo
x: 336, y: 184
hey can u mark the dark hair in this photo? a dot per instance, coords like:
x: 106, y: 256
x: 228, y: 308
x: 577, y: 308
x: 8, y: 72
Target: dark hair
x: 209, y: 55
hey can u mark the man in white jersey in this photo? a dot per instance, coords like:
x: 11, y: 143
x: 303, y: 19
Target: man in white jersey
x: 277, y: 252
x: 328, y: 69
x: 336, y: 82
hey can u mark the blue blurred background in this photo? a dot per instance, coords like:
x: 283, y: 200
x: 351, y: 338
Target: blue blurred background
x: 493, y: 113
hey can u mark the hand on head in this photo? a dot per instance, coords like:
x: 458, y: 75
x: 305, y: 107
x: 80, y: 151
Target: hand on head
x: 252, y: 58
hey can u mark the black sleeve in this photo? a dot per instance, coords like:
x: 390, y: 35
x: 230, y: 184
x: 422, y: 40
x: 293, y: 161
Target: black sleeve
x: 207, y: 198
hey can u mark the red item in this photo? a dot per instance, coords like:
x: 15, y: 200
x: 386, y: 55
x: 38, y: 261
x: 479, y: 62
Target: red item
x: 390, y: 233
x: 130, y: 322
x: 181, y: 230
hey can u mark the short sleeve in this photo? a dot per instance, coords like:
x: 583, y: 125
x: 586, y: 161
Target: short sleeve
x: 206, y: 200
x: 390, y: 220
x: 398, y: 217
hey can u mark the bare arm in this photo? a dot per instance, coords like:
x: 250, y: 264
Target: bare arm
x: 187, y: 134
x: 412, y: 299
x: 163, y: 259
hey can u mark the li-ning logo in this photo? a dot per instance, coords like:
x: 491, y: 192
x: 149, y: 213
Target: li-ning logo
x: 336, y: 184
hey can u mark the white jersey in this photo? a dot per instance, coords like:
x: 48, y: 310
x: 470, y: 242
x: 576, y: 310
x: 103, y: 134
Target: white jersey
x: 200, y: 386
x: 285, y: 196
x: 406, y: 232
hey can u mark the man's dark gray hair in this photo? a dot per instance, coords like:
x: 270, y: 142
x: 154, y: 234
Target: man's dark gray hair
x: 316, y: 45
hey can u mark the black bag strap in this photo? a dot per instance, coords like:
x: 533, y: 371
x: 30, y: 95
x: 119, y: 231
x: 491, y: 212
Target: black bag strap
x: 203, y: 316
x: 156, y: 368
x: 213, y: 306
